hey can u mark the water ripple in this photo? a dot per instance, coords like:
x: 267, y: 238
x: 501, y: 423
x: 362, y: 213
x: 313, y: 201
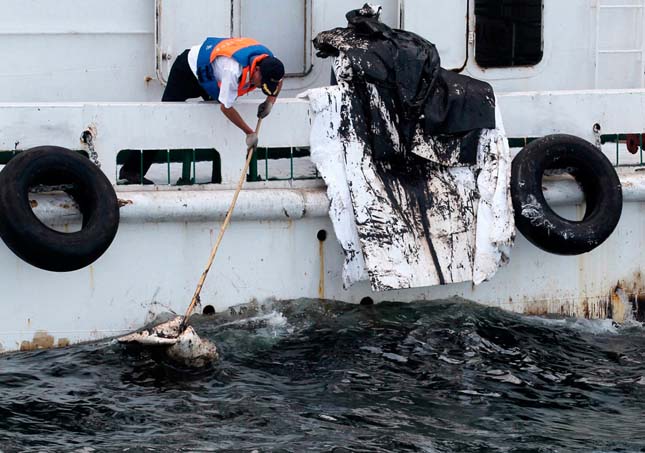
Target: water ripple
x: 303, y: 375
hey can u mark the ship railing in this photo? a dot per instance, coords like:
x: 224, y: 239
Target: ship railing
x: 199, y: 145
x: 182, y: 167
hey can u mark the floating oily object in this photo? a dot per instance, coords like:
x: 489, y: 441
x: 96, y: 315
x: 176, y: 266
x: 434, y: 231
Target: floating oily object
x: 183, y: 347
x: 192, y: 351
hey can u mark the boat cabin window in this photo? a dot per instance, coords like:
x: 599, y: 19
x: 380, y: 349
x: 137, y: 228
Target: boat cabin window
x: 508, y: 33
x: 285, y: 29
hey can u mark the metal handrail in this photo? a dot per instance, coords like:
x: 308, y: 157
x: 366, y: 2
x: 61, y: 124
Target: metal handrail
x: 159, y: 56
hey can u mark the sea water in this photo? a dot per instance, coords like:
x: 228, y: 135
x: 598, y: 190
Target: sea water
x: 308, y: 376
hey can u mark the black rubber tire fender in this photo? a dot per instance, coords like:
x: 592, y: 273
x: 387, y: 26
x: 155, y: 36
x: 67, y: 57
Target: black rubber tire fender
x: 35, y: 242
x: 597, y: 178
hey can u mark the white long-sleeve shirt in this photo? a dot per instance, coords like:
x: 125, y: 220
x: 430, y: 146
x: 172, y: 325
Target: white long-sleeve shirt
x: 226, y: 70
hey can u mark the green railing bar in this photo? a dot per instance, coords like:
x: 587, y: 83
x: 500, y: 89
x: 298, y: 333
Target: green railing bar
x: 266, y: 164
x: 185, y: 168
x: 194, y: 178
x: 216, y: 173
x: 611, y: 138
x: 520, y: 142
x: 168, y: 164
x: 617, y: 150
x: 253, y: 168
x: 285, y: 152
x: 141, y: 167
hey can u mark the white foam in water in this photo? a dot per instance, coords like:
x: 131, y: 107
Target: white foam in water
x: 475, y: 393
x: 329, y: 418
x: 443, y: 358
x: 594, y: 381
x: 508, y: 377
x: 593, y: 326
x: 395, y: 357
x: 274, y: 323
x: 372, y: 349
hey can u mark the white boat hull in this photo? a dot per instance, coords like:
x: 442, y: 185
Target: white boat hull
x: 156, y: 260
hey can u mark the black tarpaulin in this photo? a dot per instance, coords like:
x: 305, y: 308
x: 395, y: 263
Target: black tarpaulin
x: 421, y: 97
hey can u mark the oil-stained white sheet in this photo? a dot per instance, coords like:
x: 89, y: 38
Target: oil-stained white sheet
x: 464, y: 233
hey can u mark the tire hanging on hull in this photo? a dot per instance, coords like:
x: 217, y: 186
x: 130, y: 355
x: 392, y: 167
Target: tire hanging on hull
x: 35, y: 242
x: 597, y: 178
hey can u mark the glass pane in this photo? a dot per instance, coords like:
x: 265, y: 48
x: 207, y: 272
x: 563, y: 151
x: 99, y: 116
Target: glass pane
x: 508, y: 32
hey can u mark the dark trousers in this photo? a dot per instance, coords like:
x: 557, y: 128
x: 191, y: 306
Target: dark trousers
x: 181, y: 86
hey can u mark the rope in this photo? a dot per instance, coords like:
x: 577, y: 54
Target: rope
x: 227, y: 219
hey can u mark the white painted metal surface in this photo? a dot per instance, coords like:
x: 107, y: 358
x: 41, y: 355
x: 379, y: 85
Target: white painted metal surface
x: 73, y: 64
x: 77, y: 50
x: 179, y: 27
x: 428, y: 18
x: 620, y: 43
x: 292, y: 18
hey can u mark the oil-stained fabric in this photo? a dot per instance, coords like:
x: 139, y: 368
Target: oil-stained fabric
x: 404, y: 68
x: 409, y: 205
x: 434, y: 225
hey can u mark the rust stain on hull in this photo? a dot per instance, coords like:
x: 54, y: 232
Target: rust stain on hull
x: 321, y: 281
x: 43, y: 340
x: 623, y: 302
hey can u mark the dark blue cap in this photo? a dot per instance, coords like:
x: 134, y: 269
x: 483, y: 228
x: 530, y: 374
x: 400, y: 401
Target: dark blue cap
x: 272, y: 71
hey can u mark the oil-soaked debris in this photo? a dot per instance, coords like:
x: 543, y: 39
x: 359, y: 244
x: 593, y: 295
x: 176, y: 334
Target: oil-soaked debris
x: 415, y: 159
x: 182, y: 346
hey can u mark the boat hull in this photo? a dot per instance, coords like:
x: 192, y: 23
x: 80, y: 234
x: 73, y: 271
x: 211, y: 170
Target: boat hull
x: 274, y: 252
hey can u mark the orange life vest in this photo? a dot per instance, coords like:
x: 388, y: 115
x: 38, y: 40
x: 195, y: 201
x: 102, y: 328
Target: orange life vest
x: 246, y: 51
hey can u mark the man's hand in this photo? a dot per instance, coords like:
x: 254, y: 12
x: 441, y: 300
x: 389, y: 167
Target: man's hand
x: 264, y: 109
x: 252, y: 140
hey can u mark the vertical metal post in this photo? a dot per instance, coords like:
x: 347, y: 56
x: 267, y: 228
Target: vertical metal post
x: 158, y: 53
